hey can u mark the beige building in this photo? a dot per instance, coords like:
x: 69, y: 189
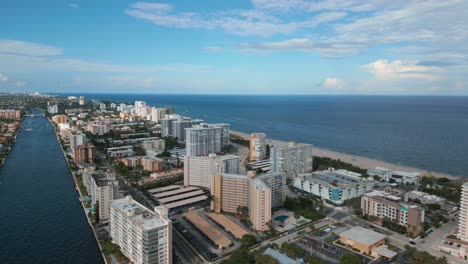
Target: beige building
x: 384, y: 205
x: 258, y: 142
x: 199, y: 171
x: 83, y: 154
x: 367, y: 241
x: 152, y: 164
x: 233, y: 192
x: 60, y: 119
x: 259, y: 198
x: 10, y: 114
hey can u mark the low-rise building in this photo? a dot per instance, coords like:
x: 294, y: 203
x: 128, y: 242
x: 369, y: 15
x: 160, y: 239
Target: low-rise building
x: 98, y: 128
x: 152, y: 164
x: 120, y: 152
x: 387, y: 206
x: 397, y: 176
x: 335, y: 187
x: 366, y: 241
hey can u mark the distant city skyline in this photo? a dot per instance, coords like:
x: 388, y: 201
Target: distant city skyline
x: 235, y: 47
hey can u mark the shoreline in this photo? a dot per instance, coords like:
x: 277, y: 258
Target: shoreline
x: 359, y: 161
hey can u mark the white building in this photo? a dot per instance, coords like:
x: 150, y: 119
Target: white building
x: 99, y: 129
x: 77, y: 139
x: 334, y: 187
x: 52, y: 108
x: 199, y: 171
x: 463, y: 220
x: 397, y: 176
x: 102, y: 106
x: 158, y: 144
x: 139, y: 104
x: 143, y: 236
x: 102, y: 191
x: 293, y: 158
x: 258, y: 142
x: 204, y: 139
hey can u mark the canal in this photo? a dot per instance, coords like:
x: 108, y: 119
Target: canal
x: 41, y: 219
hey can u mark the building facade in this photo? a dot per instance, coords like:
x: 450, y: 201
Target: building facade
x: 83, y: 154
x: 276, y: 181
x: 204, y: 139
x: 463, y: 219
x: 10, y: 114
x: 144, y: 236
x: 293, y: 158
x: 259, y: 199
x: 199, y: 171
x: 258, y: 142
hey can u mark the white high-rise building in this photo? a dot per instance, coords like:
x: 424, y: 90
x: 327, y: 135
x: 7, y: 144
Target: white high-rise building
x: 52, y: 108
x: 199, y: 171
x: 258, y: 142
x: 77, y: 139
x: 276, y: 181
x: 102, y: 106
x: 139, y: 104
x: 463, y: 220
x: 204, y: 139
x: 293, y: 158
x: 143, y: 236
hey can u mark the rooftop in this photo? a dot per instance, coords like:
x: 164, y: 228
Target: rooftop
x: 281, y: 258
x: 363, y: 236
x: 138, y: 214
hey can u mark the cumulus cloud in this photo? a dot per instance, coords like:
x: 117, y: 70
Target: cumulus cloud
x: 333, y: 84
x: 3, y: 78
x: 401, y: 70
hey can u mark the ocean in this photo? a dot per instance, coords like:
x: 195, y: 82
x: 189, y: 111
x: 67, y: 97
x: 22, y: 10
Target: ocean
x: 426, y: 132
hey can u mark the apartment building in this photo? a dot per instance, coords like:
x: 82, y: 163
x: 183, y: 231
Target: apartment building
x: 385, y: 205
x: 259, y: 203
x: 152, y: 164
x: 258, y: 142
x: 103, y: 190
x: 144, y: 236
x: 10, y: 114
x: 463, y: 220
x: 276, y: 181
x: 77, y: 139
x: 158, y: 144
x: 98, y: 128
x: 60, y: 119
x: 204, y: 139
x: 199, y: 171
x: 83, y: 154
x: 293, y: 158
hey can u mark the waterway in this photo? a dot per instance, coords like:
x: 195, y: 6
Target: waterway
x: 41, y: 218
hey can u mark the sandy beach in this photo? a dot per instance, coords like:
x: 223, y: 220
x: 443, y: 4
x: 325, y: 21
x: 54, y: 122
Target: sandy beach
x: 362, y: 162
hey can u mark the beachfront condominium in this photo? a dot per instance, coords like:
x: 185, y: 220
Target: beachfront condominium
x: 175, y: 125
x: 200, y: 170
x: 258, y: 142
x: 143, y: 236
x: 204, y: 139
x: 334, y: 187
x: 387, y: 206
x: 241, y: 194
x: 259, y: 204
x: 292, y: 158
x: 276, y: 181
x: 463, y: 220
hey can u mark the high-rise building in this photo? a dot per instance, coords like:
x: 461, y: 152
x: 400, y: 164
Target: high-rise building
x: 82, y: 100
x: 102, y: 190
x: 60, y: 119
x: 77, y: 139
x: 258, y: 142
x: 143, y: 236
x: 259, y: 199
x: 276, y: 181
x: 463, y: 220
x: 52, y: 108
x: 293, y: 158
x: 139, y: 104
x: 10, y: 114
x: 102, y: 106
x: 199, y: 171
x: 83, y: 154
x: 204, y: 139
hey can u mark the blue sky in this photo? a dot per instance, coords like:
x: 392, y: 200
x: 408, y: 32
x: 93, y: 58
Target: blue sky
x: 235, y: 47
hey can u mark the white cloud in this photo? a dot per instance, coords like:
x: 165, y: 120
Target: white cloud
x: 73, y: 5
x: 403, y: 70
x: 20, y: 83
x: 238, y: 22
x: 333, y: 84
x: 28, y: 48
x: 3, y: 78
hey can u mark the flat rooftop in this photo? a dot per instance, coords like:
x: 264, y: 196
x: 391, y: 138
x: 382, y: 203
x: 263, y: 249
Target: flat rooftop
x: 229, y: 225
x: 142, y: 217
x: 174, y: 192
x: 209, y: 230
x: 163, y: 189
x: 363, y: 236
x: 186, y: 202
x: 181, y: 196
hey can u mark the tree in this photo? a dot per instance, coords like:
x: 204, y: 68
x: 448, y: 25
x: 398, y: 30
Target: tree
x: 248, y: 240
x: 350, y: 259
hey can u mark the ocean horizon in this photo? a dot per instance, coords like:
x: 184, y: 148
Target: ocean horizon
x: 426, y: 132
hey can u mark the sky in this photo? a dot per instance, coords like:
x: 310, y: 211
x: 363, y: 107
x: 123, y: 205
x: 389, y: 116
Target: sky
x: 378, y: 47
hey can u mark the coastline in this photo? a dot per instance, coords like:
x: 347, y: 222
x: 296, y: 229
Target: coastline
x: 359, y: 161
x: 77, y: 188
